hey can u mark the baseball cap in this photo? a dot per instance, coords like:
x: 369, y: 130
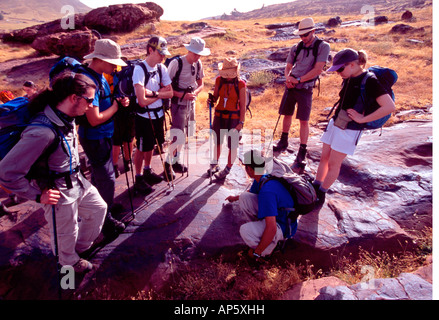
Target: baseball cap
x: 342, y: 57
x: 160, y: 44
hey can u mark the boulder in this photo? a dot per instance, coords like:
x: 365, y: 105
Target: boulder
x: 121, y: 17
x: 76, y: 44
x: 334, y: 22
x: 405, y: 287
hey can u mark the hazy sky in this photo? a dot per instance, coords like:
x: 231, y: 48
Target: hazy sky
x: 193, y: 9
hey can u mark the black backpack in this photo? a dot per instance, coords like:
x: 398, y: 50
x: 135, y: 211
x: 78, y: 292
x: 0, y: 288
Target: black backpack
x: 176, y: 79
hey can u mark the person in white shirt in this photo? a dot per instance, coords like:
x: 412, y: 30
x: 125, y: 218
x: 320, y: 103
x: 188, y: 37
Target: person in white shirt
x: 150, y: 115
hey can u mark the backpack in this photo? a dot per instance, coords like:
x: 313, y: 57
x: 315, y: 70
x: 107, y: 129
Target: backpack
x: 14, y: 118
x: 387, y: 78
x: 247, y: 92
x: 315, y: 52
x: 176, y: 79
x: 299, y: 187
x: 69, y: 63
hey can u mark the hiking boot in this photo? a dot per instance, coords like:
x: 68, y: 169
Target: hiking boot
x: 116, y: 171
x: 169, y: 172
x: 126, y: 165
x: 301, y: 154
x: 4, y: 210
x: 112, y: 227
x: 282, y: 145
x: 178, y: 167
x: 150, y: 177
x: 214, y: 168
x: 141, y: 186
x: 82, y: 266
x: 222, y: 174
x: 321, y: 197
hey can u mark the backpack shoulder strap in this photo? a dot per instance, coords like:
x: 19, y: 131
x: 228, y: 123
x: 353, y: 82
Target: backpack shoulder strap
x: 298, y: 49
x: 315, y: 49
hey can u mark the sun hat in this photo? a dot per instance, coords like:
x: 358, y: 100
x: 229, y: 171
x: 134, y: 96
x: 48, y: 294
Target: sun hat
x: 305, y: 26
x: 198, y: 46
x: 160, y: 44
x: 229, y: 68
x: 108, y: 51
x: 342, y: 57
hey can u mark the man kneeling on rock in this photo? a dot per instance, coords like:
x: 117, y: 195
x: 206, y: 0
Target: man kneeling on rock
x: 263, y: 205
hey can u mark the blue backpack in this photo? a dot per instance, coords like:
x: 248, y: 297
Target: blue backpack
x: 14, y: 118
x: 387, y: 78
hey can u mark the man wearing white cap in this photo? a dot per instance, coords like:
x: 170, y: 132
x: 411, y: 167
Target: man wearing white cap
x: 187, y: 76
x: 304, y: 65
x: 96, y: 135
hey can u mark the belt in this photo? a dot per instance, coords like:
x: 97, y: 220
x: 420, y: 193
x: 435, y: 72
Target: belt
x: 66, y: 175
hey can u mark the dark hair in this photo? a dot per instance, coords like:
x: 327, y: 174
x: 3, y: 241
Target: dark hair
x: 254, y: 159
x: 152, y: 43
x: 63, y: 85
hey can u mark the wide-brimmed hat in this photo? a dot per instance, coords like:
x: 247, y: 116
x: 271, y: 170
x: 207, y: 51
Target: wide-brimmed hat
x: 198, y: 46
x: 160, y: 44
x: 108, y: 51
x: 305, y: 26
x: 229, y: 68
x: 342, y: 57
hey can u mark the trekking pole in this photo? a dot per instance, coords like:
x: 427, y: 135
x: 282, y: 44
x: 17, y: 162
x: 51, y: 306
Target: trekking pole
x: 128, y: 183
x: 210, y: 135
x: 188, y: 104
x: 271, y: 141
x: 160, y: 153
x: 55, y: 240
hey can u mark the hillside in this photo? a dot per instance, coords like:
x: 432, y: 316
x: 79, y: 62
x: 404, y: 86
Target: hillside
x: 19, y: 14
x: 321, y: 7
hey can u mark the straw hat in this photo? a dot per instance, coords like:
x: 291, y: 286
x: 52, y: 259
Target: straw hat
x: 198, y: 46
x: 229, y: 68
x: 305, y: 26
x: 108, y: 51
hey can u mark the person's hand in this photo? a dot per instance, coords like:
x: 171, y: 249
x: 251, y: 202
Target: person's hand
x: 354, y: 115
x: 232, y: 198
x: 290, y: 82
x: 124, y: 101
x: 50, y: 196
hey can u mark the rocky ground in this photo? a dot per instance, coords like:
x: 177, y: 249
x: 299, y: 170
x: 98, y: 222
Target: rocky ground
x: 382, y: 198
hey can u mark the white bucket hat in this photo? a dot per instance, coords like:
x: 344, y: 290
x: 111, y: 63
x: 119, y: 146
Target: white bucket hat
x: 198, y: 46
x: 108, y: 51
x: 305, y: 26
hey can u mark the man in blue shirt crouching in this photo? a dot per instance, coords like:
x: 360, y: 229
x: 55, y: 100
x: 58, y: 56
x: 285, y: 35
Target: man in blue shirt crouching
x: 264, y: 208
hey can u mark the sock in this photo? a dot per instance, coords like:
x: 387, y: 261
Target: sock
x: 323, y: 189
x: 317, y: 183
x: 303, y: 145
x: 284, y: 136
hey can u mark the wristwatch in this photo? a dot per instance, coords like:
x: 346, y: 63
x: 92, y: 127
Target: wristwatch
x: 155, y: 94
x: 256, y: 255
x: 298, y: 79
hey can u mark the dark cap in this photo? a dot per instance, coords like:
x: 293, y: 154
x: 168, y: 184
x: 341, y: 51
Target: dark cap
x: 160, y: 45
x: 29, y: 84
x: 342, y: 57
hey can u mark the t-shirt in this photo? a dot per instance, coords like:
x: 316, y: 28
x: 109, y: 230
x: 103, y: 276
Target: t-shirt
x: 102, y: 101
x: 228, y: 97
x: 154, y: 84
x: 351, y: 91
x: 272, y: 198
x: 305, y: 60
x: 189, y: 73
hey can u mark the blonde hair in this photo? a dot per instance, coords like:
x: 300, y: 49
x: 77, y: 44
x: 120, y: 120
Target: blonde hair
x: 362, y: 58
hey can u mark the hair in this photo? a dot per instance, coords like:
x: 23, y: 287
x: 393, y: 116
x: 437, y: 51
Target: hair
x: 63, y: 85
x: 254, y: 160
x: 362, y: 58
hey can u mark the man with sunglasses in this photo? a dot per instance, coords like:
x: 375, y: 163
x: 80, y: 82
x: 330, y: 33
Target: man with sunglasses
x: 301, y: 72
x: 187, y: 76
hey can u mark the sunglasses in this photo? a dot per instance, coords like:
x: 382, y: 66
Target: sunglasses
x: 305, y: 34
x: 340, y: 70
x: 88, y: 100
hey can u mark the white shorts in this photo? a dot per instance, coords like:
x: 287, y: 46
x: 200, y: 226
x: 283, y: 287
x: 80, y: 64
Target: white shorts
x: 344, y: 141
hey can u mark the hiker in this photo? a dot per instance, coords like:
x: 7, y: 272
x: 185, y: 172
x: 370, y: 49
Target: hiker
x: 29, y: 88
x: 262, y: 207
x: 230, y: 98
x: 301, y: 72
x: 187, y: 75
x: 344, y: 129
x: 79, y: 208
x: 96, y: 135
x: 149, y: 119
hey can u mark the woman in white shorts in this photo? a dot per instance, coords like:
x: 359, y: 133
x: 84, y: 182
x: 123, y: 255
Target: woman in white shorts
x: 344, y: 129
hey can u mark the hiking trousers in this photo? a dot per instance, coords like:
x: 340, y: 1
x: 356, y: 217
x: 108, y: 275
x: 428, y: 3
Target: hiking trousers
x: 251, y: 232
x: 80, y: 214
